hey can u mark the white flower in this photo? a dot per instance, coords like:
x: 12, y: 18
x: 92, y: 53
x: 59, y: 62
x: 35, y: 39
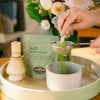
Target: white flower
x: 69, y: 34
x: 45, y: 24
x: 46, y: 4
x: 57, y: 8
x: 83, y: 4
x: 55, y: 21
x: 40, y: 11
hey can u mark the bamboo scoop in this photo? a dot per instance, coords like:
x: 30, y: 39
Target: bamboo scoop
x: 62, y: 41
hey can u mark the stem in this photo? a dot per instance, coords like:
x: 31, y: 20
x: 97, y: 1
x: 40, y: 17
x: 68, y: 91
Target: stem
x: 62, y: 64
x: 49, y: 12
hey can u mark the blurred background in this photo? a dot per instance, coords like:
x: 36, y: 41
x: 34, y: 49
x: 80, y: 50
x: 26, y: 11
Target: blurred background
x: 15, y: 22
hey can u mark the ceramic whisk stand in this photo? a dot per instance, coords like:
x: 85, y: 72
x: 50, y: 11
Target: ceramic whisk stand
x: 16, y: 68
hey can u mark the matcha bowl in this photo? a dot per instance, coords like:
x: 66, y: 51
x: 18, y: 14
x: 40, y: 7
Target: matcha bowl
x: 56, y: 81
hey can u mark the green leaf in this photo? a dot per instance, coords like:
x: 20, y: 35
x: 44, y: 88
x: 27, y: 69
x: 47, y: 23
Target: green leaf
x: 55, y: 32
x: 50, y: 14
x: 33, y: 13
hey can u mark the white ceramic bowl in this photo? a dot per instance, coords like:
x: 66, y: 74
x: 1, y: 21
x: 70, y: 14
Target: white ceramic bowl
x: 60, y: 82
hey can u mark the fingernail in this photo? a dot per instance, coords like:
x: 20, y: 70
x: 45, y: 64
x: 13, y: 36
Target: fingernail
x: 92, y: 45
x: 92, y: 41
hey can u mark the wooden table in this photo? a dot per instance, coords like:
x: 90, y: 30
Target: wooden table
x: 83, y: 52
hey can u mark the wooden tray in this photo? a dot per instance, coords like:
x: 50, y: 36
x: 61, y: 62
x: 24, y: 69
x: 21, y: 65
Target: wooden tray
x: 36, y: 89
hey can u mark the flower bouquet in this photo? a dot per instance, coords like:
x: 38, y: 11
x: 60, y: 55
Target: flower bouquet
x: 46, y: 13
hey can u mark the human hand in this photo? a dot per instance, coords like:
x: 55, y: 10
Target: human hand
x: 82, y: 19
x: 96, y: 44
